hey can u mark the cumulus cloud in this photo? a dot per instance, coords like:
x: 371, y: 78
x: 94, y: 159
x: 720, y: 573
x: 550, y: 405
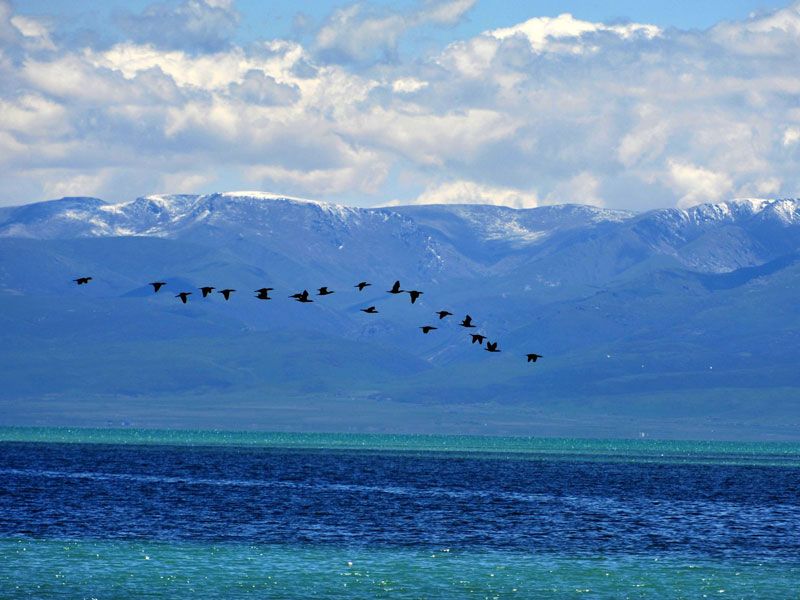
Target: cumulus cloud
x: 552, y: 109
x: 470, y: 192
x: 698, y: 184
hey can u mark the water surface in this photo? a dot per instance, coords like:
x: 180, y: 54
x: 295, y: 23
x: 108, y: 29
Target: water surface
x: 115, y: 513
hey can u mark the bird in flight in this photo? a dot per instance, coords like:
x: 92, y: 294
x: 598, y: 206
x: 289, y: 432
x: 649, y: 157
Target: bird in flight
x: 206, y: 290
x: 324, y: 291
x: 443, y: 313
x: 184, y: 296
x: 82, y: 280
x: 395, y: 288
x: 157, y: 285
x: 491, y: 347
x: 467, y: 322
x: 226, y: 293
x: 263, y: 294
x: 477, y: 338
x: 533, y: 357
x: 362, y: 285
x: 370, y: 311
x: 301, y: 296
x: 414, y: 295
x: 428, y: 328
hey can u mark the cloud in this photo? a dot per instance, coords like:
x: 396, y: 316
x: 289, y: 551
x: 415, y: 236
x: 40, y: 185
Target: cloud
x: 259, y: 88
x: 584, y: 188
x: 697, y: 184
x: 470, y: 192
x: 35, y: 32
x: 356, y: 33
x: 363, y: 33
x: 205, y: 25
x: 565, y: 32
x: 548, y: 110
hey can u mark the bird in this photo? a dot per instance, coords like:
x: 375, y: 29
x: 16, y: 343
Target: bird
x: 226, y: 293
x: 263, y: 290
x: 263, y: 294
x: 491, y: 347
x: 443, y: 313
x: 157, y: 285
x: 414, y: 295
x: 82, y: 280
x: 370, y: 311
x: 395, y: 288
x: 184, y: 296
x: 206, y: 290
x: 467, y: 322
x: 362, y: 285
x: 533, y: 357
x: 477, y: 338
x: 428, y: 328
x: 301, y: 296
x: 324, y: 291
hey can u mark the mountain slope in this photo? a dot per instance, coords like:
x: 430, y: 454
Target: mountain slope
x: 674, y: 322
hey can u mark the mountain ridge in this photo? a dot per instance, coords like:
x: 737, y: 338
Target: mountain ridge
x: 674, y: 304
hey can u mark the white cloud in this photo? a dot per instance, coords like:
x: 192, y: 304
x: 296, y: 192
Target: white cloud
x: 791, y: 136
x: 33, y: 29
x: 192, y: 24
x: 448, y: 12
x: 697, y: 184
x: 550, y: 109
x: 548, y: 33
x: 84, y: 184
x: 408, y: 85
x: 360, y: 32
x: 470, y: 192
x: 584, y: 188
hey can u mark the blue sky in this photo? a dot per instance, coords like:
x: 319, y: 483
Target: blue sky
x: 275, y: 18
x: 622, y: 104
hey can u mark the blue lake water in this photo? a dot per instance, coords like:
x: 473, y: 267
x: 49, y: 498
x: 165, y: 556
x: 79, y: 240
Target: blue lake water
x: 126, y: 513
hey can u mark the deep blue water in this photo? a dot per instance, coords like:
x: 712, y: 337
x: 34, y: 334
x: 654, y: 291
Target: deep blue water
x: 289, y: 496
x: 395, y: 503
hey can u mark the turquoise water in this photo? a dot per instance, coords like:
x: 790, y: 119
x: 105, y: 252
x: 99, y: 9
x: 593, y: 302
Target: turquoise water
x: 632, y: 450
x: 103, y: 569
x: 127, y: 513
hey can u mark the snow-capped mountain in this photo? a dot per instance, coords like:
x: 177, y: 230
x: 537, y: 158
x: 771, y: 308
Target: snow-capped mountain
x: 673, y: 306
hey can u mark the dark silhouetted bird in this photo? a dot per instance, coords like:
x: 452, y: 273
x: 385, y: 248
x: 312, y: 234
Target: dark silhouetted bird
x: 395, y: 288
x: 362, y: 285
x: 184, y: 296
x: 443, y: 313
x: 324, y: 291
x: 157, y: 285
x: 428, y: 328
x: 477, y: 338
x: 467, y: 322
x: 82, y: 280
x: 491, y: 347
x: 263, y: 294
x: 226, y: 293
x: 371, y: 310
x: 263, y: 290
x: 206, y: 290
x: 533, y: 357
x: 414, y: 295
x: 301, y: 296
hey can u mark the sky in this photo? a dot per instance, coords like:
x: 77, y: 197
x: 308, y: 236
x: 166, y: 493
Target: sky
x: 617, y: 103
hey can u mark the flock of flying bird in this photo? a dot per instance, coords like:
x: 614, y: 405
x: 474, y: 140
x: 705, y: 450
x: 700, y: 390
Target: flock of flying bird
x: 263, y: 294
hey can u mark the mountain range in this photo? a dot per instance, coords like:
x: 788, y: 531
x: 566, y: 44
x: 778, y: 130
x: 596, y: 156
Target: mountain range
x: 668, y: 323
